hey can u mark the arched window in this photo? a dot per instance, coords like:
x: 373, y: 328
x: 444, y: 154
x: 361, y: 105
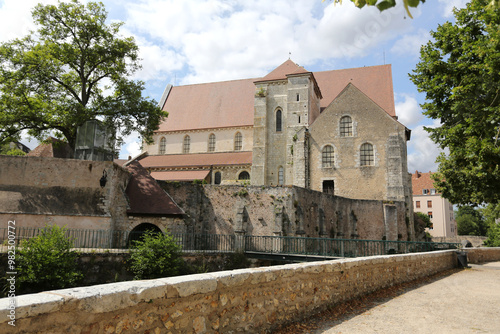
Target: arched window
x: 218, y: 178
x: 211, y: 143
x: 346, y: 126
x: 278, y: 120
x: 163, y: 145
x: 244, y: 176
x: 186, y: 145
x: 238, y: 141
x: 366, y: 155
x: 327, y: 156
x: 281, y: 176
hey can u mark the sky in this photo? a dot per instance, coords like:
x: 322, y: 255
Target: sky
x: 197, y: 41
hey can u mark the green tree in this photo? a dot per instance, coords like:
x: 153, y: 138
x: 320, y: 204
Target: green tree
x: 47, y: 262
x: 459, y: 72
x: 386, y: 4
x: 156, y: 255
x: 74, y: 68
x: 470, y: 221
x: 493, y: 236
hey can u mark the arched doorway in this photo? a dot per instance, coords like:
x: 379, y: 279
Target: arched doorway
x: 139, y: 230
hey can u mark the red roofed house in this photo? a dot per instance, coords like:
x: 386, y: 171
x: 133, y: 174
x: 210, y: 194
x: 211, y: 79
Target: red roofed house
x: 333, y: 131
x: 429, y: 202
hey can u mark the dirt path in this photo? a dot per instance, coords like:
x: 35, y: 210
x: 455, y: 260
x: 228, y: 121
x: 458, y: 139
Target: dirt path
x: 459, y: 301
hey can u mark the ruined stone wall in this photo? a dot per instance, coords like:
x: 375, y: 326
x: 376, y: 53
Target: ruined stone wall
x: 246, y: 300
x: 287, y: 211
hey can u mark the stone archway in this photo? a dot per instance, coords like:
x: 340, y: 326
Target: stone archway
x: 139, y: 230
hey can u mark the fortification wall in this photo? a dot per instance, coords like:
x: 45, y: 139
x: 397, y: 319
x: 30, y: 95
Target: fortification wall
x: 287, y: 211
x: 246, y: 300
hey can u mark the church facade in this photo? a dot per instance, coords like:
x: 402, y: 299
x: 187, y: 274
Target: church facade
x: 333, y: 131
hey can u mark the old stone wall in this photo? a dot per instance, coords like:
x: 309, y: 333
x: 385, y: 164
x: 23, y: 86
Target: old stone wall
x: 246, y: 300
x: 476, y: 241
x: 287, y: 211
x: 35, y: 191
x: 481, y: 255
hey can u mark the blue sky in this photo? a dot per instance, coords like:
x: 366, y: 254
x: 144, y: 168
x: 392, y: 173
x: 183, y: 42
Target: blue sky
x: 195, y: 41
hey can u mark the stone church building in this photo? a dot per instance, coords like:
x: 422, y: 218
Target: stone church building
x: 333, y: 131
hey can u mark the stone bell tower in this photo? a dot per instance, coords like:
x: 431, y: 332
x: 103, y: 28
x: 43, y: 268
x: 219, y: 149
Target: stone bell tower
x: 287, y: 100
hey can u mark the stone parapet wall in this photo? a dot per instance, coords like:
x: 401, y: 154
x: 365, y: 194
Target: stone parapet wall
x: 247, y: 300
x: 481, y: 255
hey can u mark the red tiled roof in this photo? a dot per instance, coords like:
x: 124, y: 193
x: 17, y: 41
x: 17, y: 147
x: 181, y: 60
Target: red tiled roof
x: 146, y: 196
x: 374, y: 81
x: 231, y: 103
x: 52, y: 148
x: 197, y: 160
x: 420, y: 181
x: 212, y: 105
x: 181, y: 175
x: 280, y: 72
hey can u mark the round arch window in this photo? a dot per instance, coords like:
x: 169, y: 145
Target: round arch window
x: 244, y: 176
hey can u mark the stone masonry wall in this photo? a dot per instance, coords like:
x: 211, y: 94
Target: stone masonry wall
x: 287, y: 211
x: 246, y: 300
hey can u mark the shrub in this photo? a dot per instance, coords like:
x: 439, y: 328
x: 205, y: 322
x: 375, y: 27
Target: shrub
x: 155, y: 255
x: 47, y: 262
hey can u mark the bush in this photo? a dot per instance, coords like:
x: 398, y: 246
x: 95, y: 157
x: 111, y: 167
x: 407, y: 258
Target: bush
x: 493, y: 236
x: 156, y: 255
x: 47, y: 262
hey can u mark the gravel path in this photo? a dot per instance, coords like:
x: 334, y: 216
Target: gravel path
x: 467, y: 301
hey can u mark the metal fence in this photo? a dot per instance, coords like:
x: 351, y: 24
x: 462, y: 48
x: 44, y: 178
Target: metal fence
x: 109, y: 239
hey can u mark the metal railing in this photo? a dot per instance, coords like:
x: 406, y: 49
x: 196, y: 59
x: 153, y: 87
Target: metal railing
x: 194, y: 242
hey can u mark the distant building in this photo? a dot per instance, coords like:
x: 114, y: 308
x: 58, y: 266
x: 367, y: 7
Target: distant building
x: 430, y: 202
x: 52, y: 148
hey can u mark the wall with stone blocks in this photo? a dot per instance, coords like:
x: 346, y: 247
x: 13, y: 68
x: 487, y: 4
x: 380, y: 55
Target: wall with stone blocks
x: 246, y: 300
x: 287, y: 211
x: 481, y: 255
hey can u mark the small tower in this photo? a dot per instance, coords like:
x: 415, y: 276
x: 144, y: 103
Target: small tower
x: 286, y: 102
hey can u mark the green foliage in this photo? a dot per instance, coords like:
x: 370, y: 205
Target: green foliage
x: 421, y: 222
x: 74, y: 68
x: 493, y: 236
x: 470, y: 221
x: 156, y: 255
x: 47, y: 262
x: 459, y: 71
x: 385, y: 4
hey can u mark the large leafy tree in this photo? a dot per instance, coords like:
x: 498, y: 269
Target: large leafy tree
x: 459, y: 71
x: 74, y: 68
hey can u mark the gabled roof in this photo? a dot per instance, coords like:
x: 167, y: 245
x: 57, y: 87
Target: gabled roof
x: 197, y: 160
x: 280, y: 72
x: 231, y: 103
x: 145, y: 196
x: 52, y: 148
x: 421, y: 181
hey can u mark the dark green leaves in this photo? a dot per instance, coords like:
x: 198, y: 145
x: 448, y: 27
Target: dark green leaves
x: 53, y: 80
x: 459, y: 72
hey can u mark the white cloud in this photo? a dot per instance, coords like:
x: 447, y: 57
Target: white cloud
x: 15, y: 18
x: 131, y: 146
x: 450, y: 4
x: 410, y: 44
x: 408, y: 110
x: 423, y: 151
x: 221, y: 40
